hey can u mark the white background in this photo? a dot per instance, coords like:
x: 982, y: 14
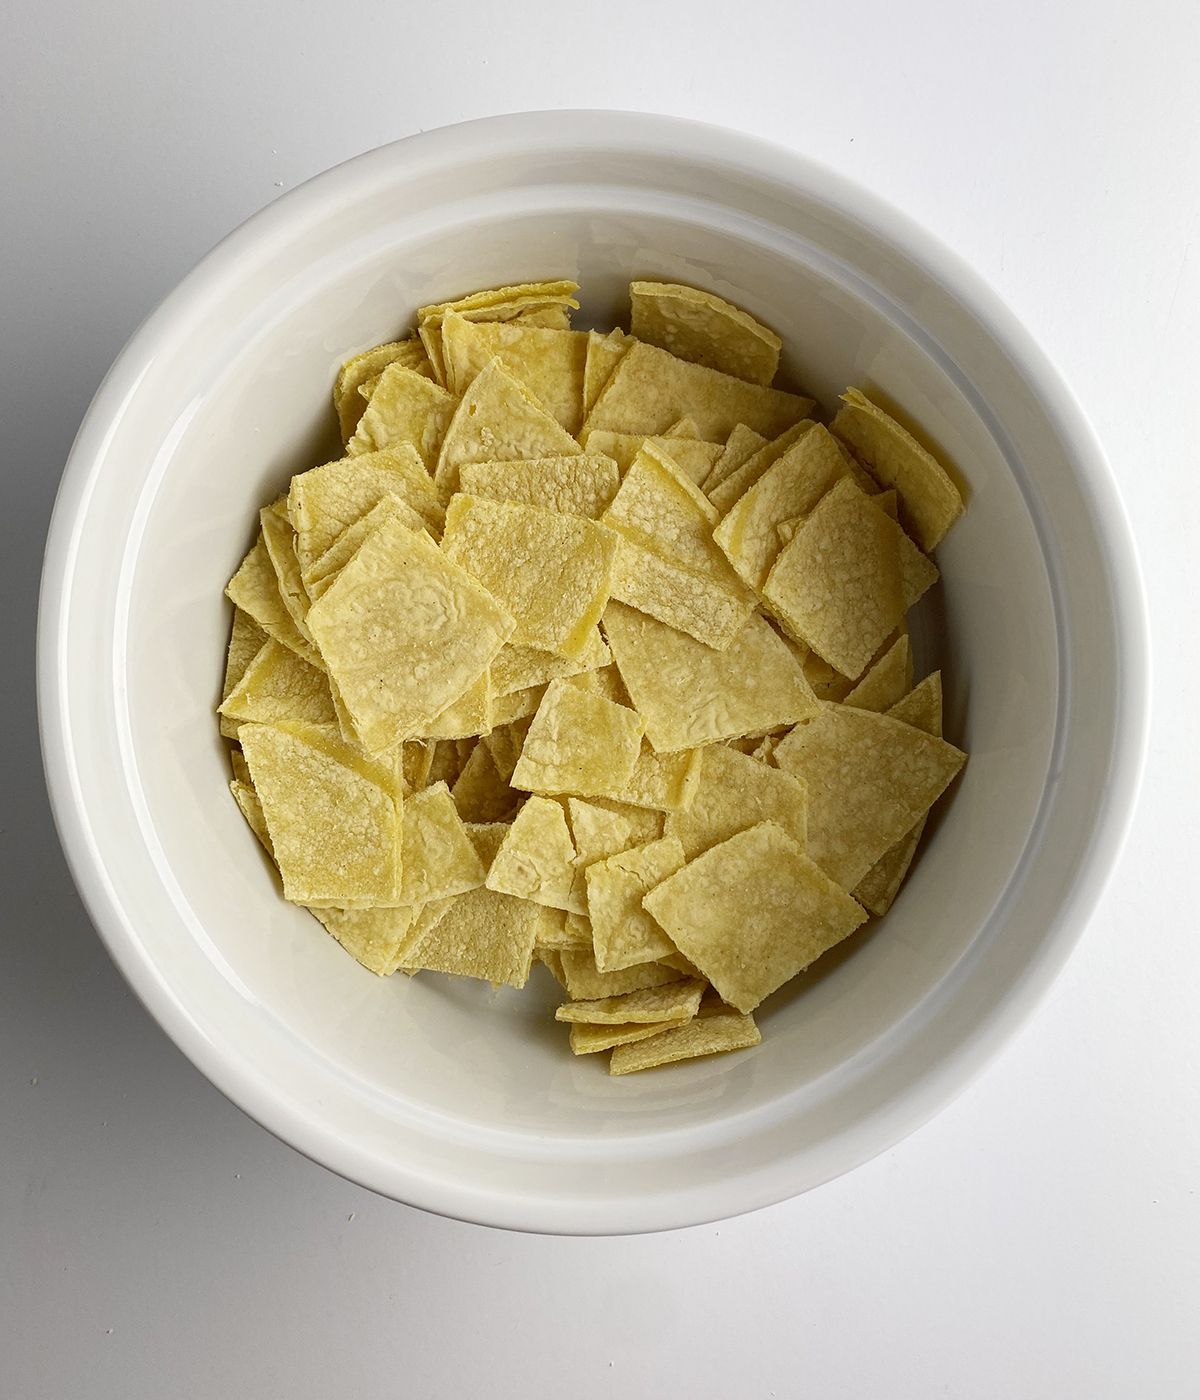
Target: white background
x: 1041, y: 1238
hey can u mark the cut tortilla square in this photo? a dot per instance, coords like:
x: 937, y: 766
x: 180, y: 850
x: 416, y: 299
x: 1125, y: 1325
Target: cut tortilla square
x: 716, y: 1034
x: 725, y: 494
x: 930, y: 501
x: 321, y: 575
x: 482, y: 934
x: 246, y: 640
x: 847, y: 579
x: 549, y: 363
x: 623, y: 933
x: 691, y: 695
x: 742, y: 445
x: 651, y: 389
x: 885, y: 683
x: 439, y: 859
x: 704, y: 329
x: 537, y: 858
x: 498, y: 419
x: 753, y: 912
x: 604, y: 353
x: 590, y: 1040
x: 255, y: 589
x: 280, y: 540
x: 672, y: 1001
x: 406, y: 407
x: 372, y: 937
x: 737, y: 792
x: 578, y: 743
x: 585, y: 982
x: 582, y: 485
x: 552, y: 573
x: 357, y: 370
x: 334, y: 817
x: 404, y: 632
x: 279, y: 685
x: 870, y: 778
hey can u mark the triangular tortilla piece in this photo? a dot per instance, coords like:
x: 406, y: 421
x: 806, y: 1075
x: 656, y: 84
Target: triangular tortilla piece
x: 672, y: 1001
x: 405, y: 407
x: 692, y: 457
x: 623, y: 933
x: 255, y: 589
x: 847, y: 579
x: 737, y: 792
x: 606, y: 681
x: 691, y: 695
x: 246, y: 639
x: 604, y: 354
x: 552, y: 938
x: 518, y: 704
x: 470, y: 715
x: 498, y: 420
x: 651, y: 389
x: 663, y: 781
x: 537, y: 858
x: 549, y: 363
x: 922, y: 706
x: 726, y: 493
x: 583, y: 485
x: 326, y: 501
x: 357, y: 370
x: 590, y: 1040
x: 790, y: 488
x: 870, y: 778
x: 518, y: 668
x: 280, y: 540
x: 372, y: 937
x: 578, y: 743
x: 321, y: 575
x: 705, y: 329
x: 930, y: 501
x: 645, y: 824
x: 416, y: 760
x: 552, y: 573
x: 404, y: 632
x: 280, y: 685
x: 585, y: 982
x: 715, y: 1034
x: 334, y: 817
x: 597, y: 834
x: 752, y: 912
x: 533, y: 303
x: 247, y: 799
x: 481, y: 793
x: 742, y: 445
x: 886, y: 682
x: 439, y: 859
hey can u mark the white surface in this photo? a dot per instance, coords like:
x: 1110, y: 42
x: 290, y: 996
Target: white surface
x: 1040, y: 1237
x: 445, y: 1095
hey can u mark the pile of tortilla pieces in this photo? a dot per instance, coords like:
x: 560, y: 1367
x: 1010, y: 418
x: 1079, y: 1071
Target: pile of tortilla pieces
x: 591, y: 650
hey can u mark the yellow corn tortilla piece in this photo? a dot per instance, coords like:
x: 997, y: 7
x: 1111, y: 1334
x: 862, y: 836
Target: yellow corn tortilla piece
x: 930, y: 501
x: 742, y: 445
x: 791, y: 487
x: 505, y: 747
x: 247, y: 799
x: 578, y: 743
x: 725, y: 494
x: 704, y: 329
x: 885, y: 683
x: 651, y: 389
x: 360, y: 369
x: 693, y: 458
x: 604, y: 353
x: 279, y: 685
x: 439, y: 859
x: 870, y: 778
x: 583, y: 485
x: 549, y: 363
x: 406, y: 407
x: 561, y: 932
x: 552, y: 573
x: 466, y: 717
x: 280, y: 540
x: 246, y: 640
x: 597, y: 833
x: 326, y: 501
x: 334, y: 817
x: 690, y: 454
x: 737, y: 792
x: 444, y: 766
x: 533, y: 303
x: 752, y: 912
x: 847, y: 579
x: 589, y: 1040
x: 372, y: 937
x: 550, y: 958
x: 241, y: 770
x: 498, y: 419
x: 520, y: 704
x: 518, y: 668
x: 623, y: 933
x: 715, y: 1034
x: 537, y: 858
x: 481, y: 793
x: 585, y: 982
x: 416, y: 761
x: 322, y: 574
x: 645, y: 824
x: 255, y: 589
x: 691, y: 695
x: 662, y: 781
x: 606, y: 681
x: 672, y: 1001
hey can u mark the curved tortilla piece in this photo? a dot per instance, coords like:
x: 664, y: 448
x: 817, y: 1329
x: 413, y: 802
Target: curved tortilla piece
x: 705, y: 329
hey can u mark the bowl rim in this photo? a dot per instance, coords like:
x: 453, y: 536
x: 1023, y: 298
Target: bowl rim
x: 626, y: 131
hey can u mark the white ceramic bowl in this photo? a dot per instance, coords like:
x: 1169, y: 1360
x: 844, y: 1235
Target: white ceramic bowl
x: 438, y: 1092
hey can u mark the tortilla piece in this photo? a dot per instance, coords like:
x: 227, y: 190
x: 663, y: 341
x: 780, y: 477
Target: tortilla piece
x: 499, y: 419
x: 790, y: 488
x: 568, y: 933
x: 582, y: 485
x: 416, y: 761
x: 922, y: 706
x: 737, y: 792
x: 327, y: 500
x: 886, y: 682
x: 870, y: 778
x: 537, y: 859
x: 406, y: 407
x: 725, y: 494
x: 550, y: 958
x: 246, y: 640
x: 280, y: 540
x: 704, y: 329
x: 693, y: 458
x: 469, y: 715
x: 753, y: 912
x: 691, y: 695
x: 585, y: 982
x: 672, y: 1001
x: 663, y: 781
x: 247, y: 799
x: 518, y: 668
x: 589, y: 1040
x: 551, y: 572
x: 742, y: 445
x: 333, y: 816
x: 521, y: 704
x: 359, y: 369
x: 930, y: 502
x: 714, y: 1034
x: 318, y: 579
x: 255, y: 589
x: 533, y: 303
x: 404, y: 632
x: 505, y: 748
x: 623, y: 933
x: 444, y: 766
x: 604, y: 354
x: 847, y: 579
x: 597, y: 834
x: 651, y: 389
x: 372, y: 937
x: 480, y: 792
x: 279, y: 685
x: 439, y: 859
x: 668, y: 565
x: 606, y: 681
x: 578, y: 743
x: 549, y: 363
